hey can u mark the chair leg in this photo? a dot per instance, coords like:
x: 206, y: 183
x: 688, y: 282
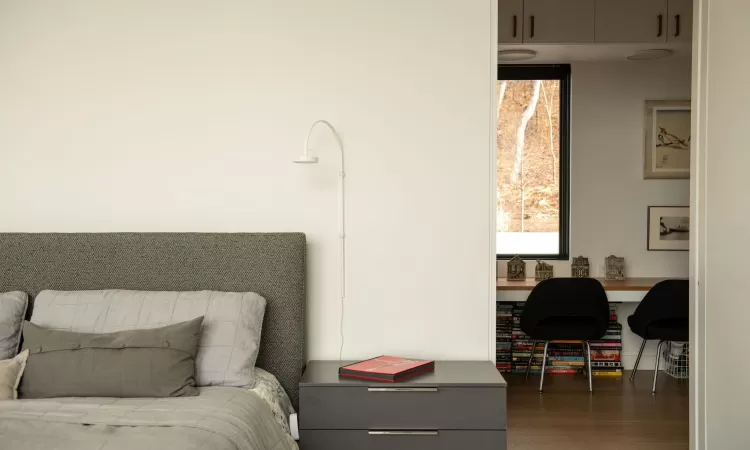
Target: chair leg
x: 531, y: 358
x: 583, y: 350
x: 588, y: 369
x: 544, y: 366
x: 656, y: 369
x: 638, y: 359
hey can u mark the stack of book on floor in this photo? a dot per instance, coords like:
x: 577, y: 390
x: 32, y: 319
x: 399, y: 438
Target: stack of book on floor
x: 522, y: 344
x: 563, y: 357
x: 606, y: 353
x: 503, y: 336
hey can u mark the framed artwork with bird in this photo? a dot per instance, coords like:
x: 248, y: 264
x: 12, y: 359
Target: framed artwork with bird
x: 667, y: 137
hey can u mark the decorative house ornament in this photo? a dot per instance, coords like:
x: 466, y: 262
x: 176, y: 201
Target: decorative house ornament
x: 580, y: 267
x: 516, y: 269
x: 543, y: 271
x: 615, y: 267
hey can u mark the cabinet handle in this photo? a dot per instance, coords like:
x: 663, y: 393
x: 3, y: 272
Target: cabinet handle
x: 531, y: 32
x: 676, y: 25
x: 414, y: 389
x: 515, y: 26
x: 660, y: 18
x: 404, y: 433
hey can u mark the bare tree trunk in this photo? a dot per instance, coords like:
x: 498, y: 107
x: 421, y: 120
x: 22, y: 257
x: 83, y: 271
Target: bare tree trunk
x: 500, y: 97
x: 551, y: 133
x: 521, y: 132
x: 523, y: 197
x: 502, y: 224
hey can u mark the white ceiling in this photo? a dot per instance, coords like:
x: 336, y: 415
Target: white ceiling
x: 555, y: 53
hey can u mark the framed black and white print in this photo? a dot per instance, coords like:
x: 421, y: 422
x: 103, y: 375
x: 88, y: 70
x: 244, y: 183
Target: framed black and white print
x: 667, y: 133
x: 669, y: 228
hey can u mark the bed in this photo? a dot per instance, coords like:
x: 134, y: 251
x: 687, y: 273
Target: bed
x: 231, y: 418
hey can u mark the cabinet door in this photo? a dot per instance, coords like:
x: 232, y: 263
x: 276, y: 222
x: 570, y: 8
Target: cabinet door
x: 558, y: 21
x: 631, y: 21
x: 509, y: 21
x: 680, y: 27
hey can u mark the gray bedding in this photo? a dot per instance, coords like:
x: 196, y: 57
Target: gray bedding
x: 220, y: 418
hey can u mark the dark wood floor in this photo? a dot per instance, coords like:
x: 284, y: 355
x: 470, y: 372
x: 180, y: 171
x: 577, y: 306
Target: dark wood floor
x: 620, y: 415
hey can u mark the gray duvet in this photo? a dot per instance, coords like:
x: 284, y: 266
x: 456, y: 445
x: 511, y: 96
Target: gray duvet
x: 220, y: 418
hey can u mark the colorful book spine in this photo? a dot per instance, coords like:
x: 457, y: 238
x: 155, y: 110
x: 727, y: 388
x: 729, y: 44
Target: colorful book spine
x: 606, y: 373
x: 565, y: 358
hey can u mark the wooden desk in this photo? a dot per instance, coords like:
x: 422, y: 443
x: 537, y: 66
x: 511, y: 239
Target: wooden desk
x: 629, y: 284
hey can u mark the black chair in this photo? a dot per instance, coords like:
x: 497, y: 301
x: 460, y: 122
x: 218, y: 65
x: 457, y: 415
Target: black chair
x: 565, y: 309
x: 663, y: 314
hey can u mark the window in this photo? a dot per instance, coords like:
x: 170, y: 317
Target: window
x: 533, y: 164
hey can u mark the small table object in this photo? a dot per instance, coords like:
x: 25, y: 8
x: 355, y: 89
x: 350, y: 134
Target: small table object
x: 461, y: 405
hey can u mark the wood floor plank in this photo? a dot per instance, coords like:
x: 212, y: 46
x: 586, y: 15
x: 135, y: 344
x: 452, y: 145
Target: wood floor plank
x: 620, y: 415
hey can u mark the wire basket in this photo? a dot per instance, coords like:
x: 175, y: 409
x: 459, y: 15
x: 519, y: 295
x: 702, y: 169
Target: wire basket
x: 677, y: 359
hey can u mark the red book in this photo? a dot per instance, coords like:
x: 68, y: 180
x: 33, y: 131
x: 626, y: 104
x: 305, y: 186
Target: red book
x: 386, y: 368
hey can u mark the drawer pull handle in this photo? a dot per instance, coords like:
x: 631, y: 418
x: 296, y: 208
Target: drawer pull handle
x: 660, y: 19
x: 403, y: 433
x: 414, y: 389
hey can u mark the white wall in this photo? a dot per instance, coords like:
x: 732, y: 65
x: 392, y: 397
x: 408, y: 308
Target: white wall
x: 166, y: 115
x: 720, y: 308
x: 609, y: 197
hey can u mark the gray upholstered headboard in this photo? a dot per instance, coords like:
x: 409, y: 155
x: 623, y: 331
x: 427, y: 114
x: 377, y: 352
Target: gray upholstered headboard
x: 271, y: 264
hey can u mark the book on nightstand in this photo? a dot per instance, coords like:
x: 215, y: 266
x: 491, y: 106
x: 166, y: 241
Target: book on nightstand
x: 387, y: 368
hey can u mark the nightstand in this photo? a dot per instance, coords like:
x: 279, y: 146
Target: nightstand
x: 461, y: 405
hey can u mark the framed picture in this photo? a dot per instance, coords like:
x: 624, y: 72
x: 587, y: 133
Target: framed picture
x: 667, y: 139
x: 668, y: 228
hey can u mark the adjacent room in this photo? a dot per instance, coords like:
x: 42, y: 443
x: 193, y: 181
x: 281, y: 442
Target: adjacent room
x: 593, y: 165
x: 346, y: 224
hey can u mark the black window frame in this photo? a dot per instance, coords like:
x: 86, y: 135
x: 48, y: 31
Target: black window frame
x: 551, y: 72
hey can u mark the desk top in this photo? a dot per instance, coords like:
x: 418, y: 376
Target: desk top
x: 629, y: 284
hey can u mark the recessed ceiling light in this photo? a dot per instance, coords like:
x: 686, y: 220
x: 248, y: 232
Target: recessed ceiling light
x: 645, y: 55
x: 515, y: 55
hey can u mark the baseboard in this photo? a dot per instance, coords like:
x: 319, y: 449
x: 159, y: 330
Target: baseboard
x: 647, y: 361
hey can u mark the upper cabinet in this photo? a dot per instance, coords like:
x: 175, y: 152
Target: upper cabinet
x: 680, y: 24
x: 595, y: 21
x: 558, y: 22
x: 510, y: 21
x: 631, y: 21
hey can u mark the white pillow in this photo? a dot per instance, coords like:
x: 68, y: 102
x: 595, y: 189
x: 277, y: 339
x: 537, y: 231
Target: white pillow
x: 11, y: 371
x: 231, y: 326
x: 12, y: 311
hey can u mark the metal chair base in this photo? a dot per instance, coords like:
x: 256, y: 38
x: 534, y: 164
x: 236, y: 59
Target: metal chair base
x: 638, y: 360
x: 587, y: 364
x: 656, y: 369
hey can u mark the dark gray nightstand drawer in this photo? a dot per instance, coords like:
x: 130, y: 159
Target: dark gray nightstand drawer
x: 364, y: 440
x: 402, y: 408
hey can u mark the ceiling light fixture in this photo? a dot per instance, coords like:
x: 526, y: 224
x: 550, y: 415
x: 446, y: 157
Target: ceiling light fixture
x: 651, y: 54
x: 516, y: 55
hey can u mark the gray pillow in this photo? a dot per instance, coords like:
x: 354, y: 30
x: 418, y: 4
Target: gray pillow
x: 231, y: 326
x: 12, y: 311
x: 158, y: 362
